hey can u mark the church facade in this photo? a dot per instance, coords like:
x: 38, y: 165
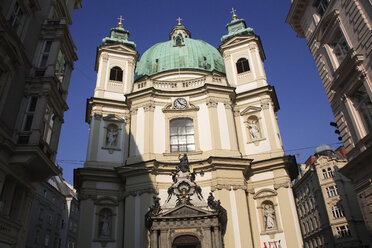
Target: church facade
x: 184, y: 147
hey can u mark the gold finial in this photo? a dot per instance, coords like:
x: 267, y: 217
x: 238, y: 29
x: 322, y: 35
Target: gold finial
x: 179, y: 21
x: 120, y: 24
x: 234, y: 16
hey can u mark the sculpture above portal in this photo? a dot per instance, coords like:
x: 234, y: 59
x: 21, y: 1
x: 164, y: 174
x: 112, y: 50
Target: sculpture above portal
x: 184, y: 190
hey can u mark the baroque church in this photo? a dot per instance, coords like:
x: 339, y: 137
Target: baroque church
x: 184, y: 147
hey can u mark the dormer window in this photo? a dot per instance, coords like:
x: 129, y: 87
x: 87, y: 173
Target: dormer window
x: 116, y: 74
x: 242, y: 65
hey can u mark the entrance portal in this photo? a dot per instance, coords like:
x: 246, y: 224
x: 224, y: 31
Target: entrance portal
x: 186, y: 241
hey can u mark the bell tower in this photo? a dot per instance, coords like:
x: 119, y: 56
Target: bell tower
x: 115, y: 63
x: 243, y: 56
x: 107, y: 112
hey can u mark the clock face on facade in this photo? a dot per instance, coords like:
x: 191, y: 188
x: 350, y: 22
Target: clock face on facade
x: 180, y: 103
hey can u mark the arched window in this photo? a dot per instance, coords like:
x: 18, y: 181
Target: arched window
x: 242, y: 65
x: 330, y: 172
x: 325, y: 175
x: 116, y: 74
x: 182, y: 135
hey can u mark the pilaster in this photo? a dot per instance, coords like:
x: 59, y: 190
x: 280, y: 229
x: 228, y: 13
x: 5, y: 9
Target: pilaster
x: 149, y: 131
x: 232, y: 129
x: 214, y: 125
x: 132, y: 144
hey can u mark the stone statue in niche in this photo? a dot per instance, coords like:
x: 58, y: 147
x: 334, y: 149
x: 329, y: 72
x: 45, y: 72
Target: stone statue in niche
x: 269, y: 217
x: 111, y: 137
x: 105, y: 223
x: 254, y: 130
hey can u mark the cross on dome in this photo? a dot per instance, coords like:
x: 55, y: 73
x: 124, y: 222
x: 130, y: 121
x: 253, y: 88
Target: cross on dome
x: 179, y: 21
x: 234, y: 16
x: 120, y: 24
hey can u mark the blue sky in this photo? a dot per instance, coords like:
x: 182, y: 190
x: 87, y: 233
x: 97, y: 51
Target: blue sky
x: 304, y: 113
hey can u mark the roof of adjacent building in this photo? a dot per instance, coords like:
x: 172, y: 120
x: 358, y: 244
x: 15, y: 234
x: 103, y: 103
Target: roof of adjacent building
x: 322, y: 148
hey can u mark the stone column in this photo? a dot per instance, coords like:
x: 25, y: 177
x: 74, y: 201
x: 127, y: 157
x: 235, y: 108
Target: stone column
x: 163, y: 239
x: 207, y: 239
x: 154, y: 239
x: 217, y: 237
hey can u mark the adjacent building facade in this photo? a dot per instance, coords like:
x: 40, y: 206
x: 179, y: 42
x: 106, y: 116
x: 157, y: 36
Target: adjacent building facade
x: 54, y: 215
x: 233, y: 185
x: 36, y: 60
x: 326, y: 203
x: 339, y: 35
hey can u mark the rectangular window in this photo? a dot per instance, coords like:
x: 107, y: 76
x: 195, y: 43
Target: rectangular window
x: 182, y: 135
x: 323, y: 4
x: 29, y: 115
x: 325, y: 174
x: 337, y: 211
x: 332, y: 191
x: 60, y: 66
x: 343, y: 231
x: 45, y: 54
x: 41, y: 213
x: 16, y: 19
x: 48, y: 124
x: 339, y: 46
x: 363, y: 105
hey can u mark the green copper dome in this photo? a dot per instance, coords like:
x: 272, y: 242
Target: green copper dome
x: 179, y: 53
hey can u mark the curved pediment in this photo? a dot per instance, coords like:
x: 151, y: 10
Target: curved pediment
x: 106, y: 200
x: 263, y: 193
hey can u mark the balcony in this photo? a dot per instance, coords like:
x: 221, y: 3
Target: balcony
x: 178, y: 85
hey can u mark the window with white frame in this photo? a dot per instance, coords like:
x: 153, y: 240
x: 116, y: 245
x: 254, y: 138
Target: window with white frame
x: 332, y: 191
x: 48, y: 124
x: 343, y: 231
x: 363, y: 105
x: 16, y: 18
x: 45, y: 54
x: 339, y: 46
x: 182, y: 135
x: 338, y: 211
x: 325, y: 174
x: 330, y: 172
x: 60, y: 66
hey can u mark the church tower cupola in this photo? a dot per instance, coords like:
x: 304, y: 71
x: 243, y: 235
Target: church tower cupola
x: 179, y: 31
x: 236, y: 27
x: 119, y: 35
